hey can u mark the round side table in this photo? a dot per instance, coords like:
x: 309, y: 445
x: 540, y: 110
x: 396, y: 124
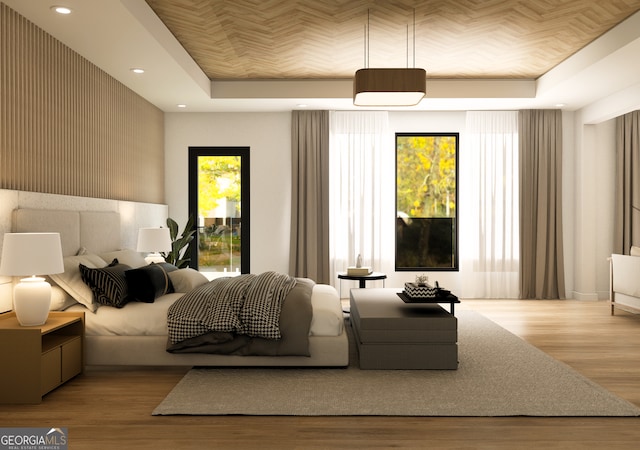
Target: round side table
x: 362, y: 279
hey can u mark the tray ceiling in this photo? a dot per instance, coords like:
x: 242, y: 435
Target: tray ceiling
x: 279, y: 55
x: 325, y: 39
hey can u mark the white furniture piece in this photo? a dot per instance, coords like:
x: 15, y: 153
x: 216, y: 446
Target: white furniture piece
x: 154, y: 241
x: 624, y: 281
x: 136, y: 334
x: 32, y: 254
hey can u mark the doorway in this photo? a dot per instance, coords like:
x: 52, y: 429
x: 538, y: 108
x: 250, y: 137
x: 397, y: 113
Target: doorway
x: 219, y: 202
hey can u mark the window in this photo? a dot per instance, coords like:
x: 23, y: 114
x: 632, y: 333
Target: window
x: 426, y: 201
x: 219, y: 200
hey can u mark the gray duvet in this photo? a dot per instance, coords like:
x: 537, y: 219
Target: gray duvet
x: 232, y: 336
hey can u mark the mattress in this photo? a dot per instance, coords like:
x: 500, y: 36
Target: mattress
x: 150, y: 319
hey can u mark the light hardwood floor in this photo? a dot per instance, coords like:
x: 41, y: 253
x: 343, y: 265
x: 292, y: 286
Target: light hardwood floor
x: 111, y: 408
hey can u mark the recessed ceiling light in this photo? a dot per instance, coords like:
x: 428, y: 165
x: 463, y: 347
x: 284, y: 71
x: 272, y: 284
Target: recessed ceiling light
x: 181, y: 105
x: 560, y: 105
x: 61, y: 9
x: 302, y: 105
x: 137, y: 70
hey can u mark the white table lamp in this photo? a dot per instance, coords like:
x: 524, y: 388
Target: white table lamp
x: 154, y: 241
x: 25, y: 254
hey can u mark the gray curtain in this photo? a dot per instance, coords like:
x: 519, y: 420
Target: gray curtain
x: 627, y: 194
x: 309, y: 255
x: 540, y: 161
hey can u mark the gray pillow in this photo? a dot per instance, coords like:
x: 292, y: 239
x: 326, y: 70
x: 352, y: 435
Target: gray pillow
x: 185, y: 280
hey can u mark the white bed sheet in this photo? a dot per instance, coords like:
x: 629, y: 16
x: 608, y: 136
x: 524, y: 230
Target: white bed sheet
x: 327, y: 319
x: 150, y: 319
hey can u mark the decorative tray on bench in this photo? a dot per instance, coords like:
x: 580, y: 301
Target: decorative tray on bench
x: 424, y: 293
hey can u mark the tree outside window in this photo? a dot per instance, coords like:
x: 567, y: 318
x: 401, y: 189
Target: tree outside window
x: 426, y: 201
x: 219, y: 200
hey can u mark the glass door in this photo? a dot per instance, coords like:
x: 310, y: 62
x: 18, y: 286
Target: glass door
x: 219, y: 201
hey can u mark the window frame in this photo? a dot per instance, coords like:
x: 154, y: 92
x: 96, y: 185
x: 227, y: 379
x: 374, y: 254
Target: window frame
x: 455, y: 266
x: 244, y: 154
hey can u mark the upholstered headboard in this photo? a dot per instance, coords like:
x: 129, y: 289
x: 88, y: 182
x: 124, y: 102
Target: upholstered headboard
x: 133, y: 216
x: 97, y: 231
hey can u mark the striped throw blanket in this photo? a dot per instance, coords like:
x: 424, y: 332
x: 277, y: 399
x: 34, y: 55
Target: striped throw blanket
x: 247, y: 304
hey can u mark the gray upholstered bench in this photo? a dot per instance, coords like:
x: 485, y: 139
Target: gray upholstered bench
x: 391, y: 334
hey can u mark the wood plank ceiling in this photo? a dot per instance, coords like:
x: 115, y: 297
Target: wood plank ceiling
x: 325, y: 39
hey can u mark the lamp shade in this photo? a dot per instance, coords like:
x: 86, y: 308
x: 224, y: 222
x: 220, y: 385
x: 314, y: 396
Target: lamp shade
x: 154, y: 240
x: 25, y: 254
x: 30, y: 254
x: 389, y: 87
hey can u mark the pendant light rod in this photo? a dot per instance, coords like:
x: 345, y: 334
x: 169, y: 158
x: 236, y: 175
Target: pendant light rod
x: 364, y: 55
x: 367, y: 32
x: 414, y: 38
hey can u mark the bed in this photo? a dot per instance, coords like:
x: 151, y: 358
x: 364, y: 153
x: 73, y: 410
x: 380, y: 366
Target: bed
x: 136, y: 334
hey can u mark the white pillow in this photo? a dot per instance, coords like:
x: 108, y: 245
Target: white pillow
x: 635, y: 251
x: 126, y: 256
x: 60, y: 299
x: 185, y: 280
x: 71, y: 280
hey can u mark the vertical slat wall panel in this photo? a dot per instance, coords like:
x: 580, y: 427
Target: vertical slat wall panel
x: 67, y: 127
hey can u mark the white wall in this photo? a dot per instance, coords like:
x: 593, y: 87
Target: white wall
x: 593, y: 207
x: 269, y: 137
x: 588, y: 175
x: 568, y: 200
x: 594, y: 172
x: 604, y: 202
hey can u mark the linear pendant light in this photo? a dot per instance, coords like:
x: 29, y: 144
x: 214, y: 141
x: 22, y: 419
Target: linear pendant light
x: 389, y: 87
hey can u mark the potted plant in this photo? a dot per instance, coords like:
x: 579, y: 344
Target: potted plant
x: 178, y: 256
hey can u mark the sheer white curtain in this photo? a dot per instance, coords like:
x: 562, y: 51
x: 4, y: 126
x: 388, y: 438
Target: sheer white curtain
x: 489, y: 229
x: 360, y: 199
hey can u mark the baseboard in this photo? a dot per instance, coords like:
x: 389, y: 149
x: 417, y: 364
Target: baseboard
x: 592, y: 297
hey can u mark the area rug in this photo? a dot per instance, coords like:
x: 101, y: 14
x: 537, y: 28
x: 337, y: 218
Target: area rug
x: 499, y: 375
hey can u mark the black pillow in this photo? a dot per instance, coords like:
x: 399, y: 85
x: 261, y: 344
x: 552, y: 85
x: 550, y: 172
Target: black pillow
x: 108, y: 284
x: 147, y: 283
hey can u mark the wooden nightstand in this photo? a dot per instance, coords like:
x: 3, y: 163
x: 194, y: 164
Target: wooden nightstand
x: 36, y: 360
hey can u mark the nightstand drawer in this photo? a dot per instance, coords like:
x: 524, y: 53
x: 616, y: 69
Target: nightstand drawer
x: 60, y: 364
x: 71, y: 359
x: 50, y: 370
